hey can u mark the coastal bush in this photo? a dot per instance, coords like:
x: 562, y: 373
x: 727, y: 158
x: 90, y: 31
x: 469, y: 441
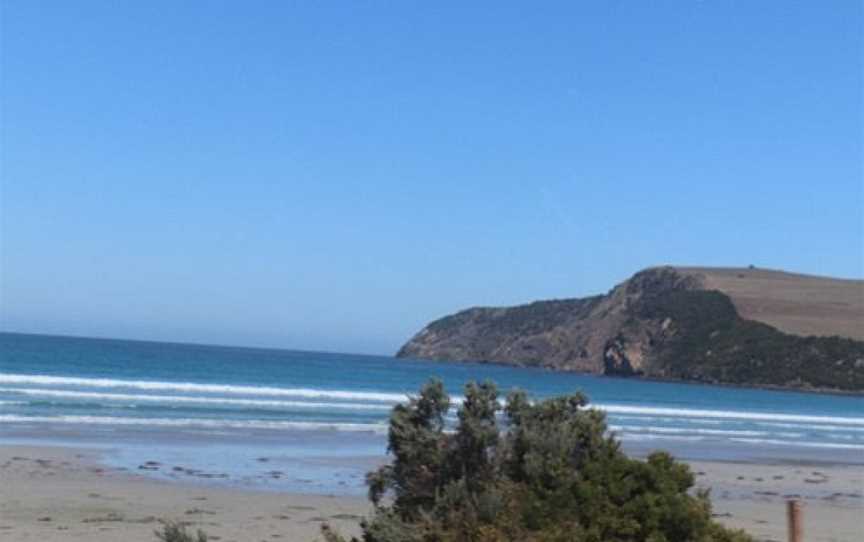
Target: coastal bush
x: 527, y: 471
x: 714, y: 344
x: 176, y: 532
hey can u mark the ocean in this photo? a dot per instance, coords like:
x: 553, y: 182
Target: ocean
x: 316, y: 422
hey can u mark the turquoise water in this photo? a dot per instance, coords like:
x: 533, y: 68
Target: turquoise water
x: 295, y: 420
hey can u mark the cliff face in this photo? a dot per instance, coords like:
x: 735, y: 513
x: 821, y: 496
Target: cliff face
x: 663, y: 322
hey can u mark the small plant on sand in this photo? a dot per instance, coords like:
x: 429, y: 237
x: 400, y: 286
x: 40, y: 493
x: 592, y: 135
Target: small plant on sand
x: 546, y: 471
x: 173, y: 531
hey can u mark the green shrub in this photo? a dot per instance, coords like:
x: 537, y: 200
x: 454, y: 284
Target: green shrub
x: 176, y: 532
x: 549, y: 472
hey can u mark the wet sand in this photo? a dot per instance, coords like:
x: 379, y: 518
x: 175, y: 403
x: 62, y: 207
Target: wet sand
x: 58, y: 494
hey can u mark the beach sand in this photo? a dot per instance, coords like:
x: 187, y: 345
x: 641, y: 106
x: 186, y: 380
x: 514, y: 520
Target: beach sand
x: 56, y: 494
x: 753, y: 497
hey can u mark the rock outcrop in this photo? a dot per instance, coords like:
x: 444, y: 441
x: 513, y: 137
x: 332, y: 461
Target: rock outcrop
x: 664, y: 323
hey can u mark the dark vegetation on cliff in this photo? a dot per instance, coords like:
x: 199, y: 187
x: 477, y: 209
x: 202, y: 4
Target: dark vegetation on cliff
x: 665, y: 323
x: 545, y: 471
x: 531, y: 318
x: 714, y: 344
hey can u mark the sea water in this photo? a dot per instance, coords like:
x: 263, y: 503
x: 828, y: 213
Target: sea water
x: 313, y: 421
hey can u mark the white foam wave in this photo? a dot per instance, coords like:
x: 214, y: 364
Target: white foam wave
x: 697, y: 431
x: 191, y: 387
x: 828, y: 428
x: 193, y: 422
x: 661, y: 419
x: 646, y: 436
x: 804, y: 444
x: 134, y: 398
x: 729, y: 414
x: 846, y: 437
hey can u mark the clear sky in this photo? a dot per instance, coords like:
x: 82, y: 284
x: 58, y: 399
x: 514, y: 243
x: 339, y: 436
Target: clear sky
x: 332, y: 175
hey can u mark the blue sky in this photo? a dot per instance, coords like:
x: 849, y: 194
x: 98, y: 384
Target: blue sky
x: 333, y: 175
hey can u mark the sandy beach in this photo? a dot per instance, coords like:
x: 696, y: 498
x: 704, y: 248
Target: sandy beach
x: 54, y: 494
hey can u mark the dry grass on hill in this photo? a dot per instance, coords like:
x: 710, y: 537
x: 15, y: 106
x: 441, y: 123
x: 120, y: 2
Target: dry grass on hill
x: 797, y: 304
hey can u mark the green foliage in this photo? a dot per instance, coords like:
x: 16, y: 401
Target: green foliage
x: 714, y: 344
x: 549, y: 472
x: 176, y: 532
x: 526, y: 319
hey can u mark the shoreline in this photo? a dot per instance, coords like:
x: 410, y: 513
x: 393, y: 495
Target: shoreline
x: 50, y: 494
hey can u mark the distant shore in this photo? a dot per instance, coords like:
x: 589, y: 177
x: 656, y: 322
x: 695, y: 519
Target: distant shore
x: 53, y: 494
x: 667, y: 380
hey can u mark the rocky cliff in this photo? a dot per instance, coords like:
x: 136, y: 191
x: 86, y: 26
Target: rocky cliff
x: 676, y: 323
